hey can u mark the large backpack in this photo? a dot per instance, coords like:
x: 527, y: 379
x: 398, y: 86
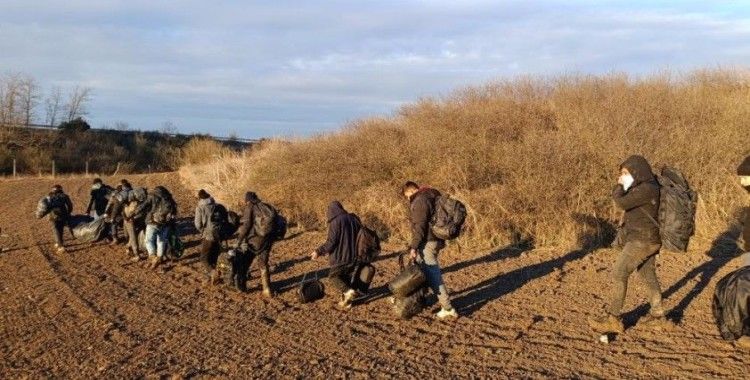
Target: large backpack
x: 265, y: 219
x: 448, y: 218
x: 57, y: 206
x: 367, y: 244
x: 218, y: 219
x: 678, y: 203
x: 138, y: 195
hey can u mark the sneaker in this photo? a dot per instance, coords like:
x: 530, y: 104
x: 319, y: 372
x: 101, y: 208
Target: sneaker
x: 657, y: 311
x: 447, y: 313
x: 347, y: 298
x: 607, y: 324
x: 136, y: 258
x: 61, y: 250
x: 155, y: 260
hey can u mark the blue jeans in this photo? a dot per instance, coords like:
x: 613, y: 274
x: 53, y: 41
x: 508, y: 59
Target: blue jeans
x: 156, y: 239
x: 429, y: 263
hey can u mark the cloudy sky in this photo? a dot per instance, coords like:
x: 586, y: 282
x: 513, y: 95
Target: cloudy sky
x: 283, y: 68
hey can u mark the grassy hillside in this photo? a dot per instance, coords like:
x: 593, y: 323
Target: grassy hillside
x: 532, y: 157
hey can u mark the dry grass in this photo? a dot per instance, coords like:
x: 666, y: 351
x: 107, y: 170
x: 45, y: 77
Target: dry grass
x: 531, y: 158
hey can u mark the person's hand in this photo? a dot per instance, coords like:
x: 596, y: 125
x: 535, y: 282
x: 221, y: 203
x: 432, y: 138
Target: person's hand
x: 413, y: 255
x: 619, y: 181
x: 314, y: 255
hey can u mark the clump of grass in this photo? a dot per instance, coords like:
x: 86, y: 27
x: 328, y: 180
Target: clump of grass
x: 529, y: 157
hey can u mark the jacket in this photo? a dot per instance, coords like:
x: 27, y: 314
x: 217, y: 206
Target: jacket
x: 62, y: 203
x: 640, y: 202
x: 203, y: 219
x: 100, y: 197
x: 341, y: 244
x: 153, y: 201
x: 421, y: 209
x: 744, y: 170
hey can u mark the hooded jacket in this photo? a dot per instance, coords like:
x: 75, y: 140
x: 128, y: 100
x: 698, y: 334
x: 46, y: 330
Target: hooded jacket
x: 744, y: 170
x: 203, y: 219
x: 247, y: 221
x: 421, y: 209
x: 343, y: 228
x: 100, y: 196
x: 157, y: 196
x: 640, y: 202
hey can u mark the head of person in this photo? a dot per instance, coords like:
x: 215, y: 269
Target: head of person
x: 409, y: 189
x: 203, y: 194
x: 635, y: 170
x: 125, y: 184
x: 57, y: 189
x: 743, y: 171
x: 98, y: 183
x: 251, y: 198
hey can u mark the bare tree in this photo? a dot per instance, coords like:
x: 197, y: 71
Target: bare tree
x: 29, y: 96
x: 9, y: 101
x: 77, y: 103
x: 52, y: 106
x: 168, y: 128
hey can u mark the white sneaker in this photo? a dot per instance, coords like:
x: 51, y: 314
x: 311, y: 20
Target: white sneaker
x: 348, y: 297
x: 447, y: 313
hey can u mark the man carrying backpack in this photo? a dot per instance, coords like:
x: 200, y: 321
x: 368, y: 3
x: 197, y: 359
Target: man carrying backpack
x: 637, y: 193
x: 210, y: 219
x: 255, y: 237
x: 424, y: 245
x: 744, y: 172
x: 99, y: 198
x: 59, y: 208
x: 160, y: 212
x: 341, y: 247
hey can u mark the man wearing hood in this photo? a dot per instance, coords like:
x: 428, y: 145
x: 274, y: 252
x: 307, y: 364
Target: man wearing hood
x: 637, y: 193
x: 424, y: 246
x: 160, y: 212
x: 341, y: 248
x: 250, y: 245
x: 744, y: 172
x: 210, y: 233
x: 99, y: 198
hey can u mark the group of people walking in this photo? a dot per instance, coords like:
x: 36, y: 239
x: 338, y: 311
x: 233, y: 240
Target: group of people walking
x: 154, y: 213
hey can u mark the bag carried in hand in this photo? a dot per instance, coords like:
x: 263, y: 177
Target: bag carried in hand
x: 408, y: 280
x: 310, y: 290
x: 409, y: 306
x: 448, y: 218
x: 87, y: 229
x: 265, y: 219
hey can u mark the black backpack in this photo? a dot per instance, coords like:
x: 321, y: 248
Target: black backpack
x: 218, y: 219
x: 367, y: 243
x: 448, y: 218
x: 265, y: 219
x: 678, y: 204
x: 58, y: 208
x: 280, y: 226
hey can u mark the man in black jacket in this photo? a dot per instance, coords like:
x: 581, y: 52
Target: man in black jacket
x: 424, y: 246
x: 250, y: 245
x: 99, y: 198
x: 637, y: 193
x: 744, y: 172
x: 59, y: 211
x: 341, y: 248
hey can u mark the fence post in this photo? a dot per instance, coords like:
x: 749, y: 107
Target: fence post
x: 53, y: 169
x: 14, y: 168
x: 87, y: 168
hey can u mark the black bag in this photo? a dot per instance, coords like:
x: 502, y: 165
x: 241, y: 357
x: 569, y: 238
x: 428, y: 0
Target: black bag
x: 218, y: 219
x: 362, y: 277
x: 280, y: 226
x: 731, y: 304
x: 265, y: 219
x: 678, y: 204
x: 408, y: 280
x: 87, y: 229
x: 409, y: 306
x: 310, y: 290
x: 233, y: 223
x: 368, y: 244
x: 448, y: 218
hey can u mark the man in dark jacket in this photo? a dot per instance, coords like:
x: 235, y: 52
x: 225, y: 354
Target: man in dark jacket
x: 341, y: 248
x: 99, y: 198
x: 250, y: 245
x: 744, y: 172
x: 210, y: 234
x: 133, y: 223
x: 637, y: 193
x: 424, y: 246
x: 160, y: 212
x: 59, y: 211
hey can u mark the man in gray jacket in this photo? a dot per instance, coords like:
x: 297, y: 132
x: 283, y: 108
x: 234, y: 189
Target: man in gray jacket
x: 209, y: 219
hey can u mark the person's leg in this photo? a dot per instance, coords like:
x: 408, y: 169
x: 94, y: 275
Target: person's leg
x: 205, y: 255
x: 129, y: 227
x: 58, y: 227
x: 624, y: 266
x: 162, y: 241
x: 265, y: 271
x: 431, y: 268
x: 151, y: 240
x: 647, y: 271
x: 337, y: 277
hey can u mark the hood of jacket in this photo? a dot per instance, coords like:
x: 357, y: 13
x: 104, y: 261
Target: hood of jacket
x: 161, y: 192
x: 639, y: 168
x: 425, y: 190
x: 206, y: 202
x: 335, y: 209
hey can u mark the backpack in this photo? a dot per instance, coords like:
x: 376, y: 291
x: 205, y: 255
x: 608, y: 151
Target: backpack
x: 367, y: 244
x: 57, y: 207
x: 448, y: 218
x: 218, y: 219
x: 265, y: 219
x: 137, y: 195
x: 280, y: 226
x: 678, y: 204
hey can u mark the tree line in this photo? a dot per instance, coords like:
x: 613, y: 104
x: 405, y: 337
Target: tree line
x: 23, y: 101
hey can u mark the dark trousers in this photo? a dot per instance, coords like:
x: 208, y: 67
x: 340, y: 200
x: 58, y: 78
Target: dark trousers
x: 210, y: 250
x: 340, y: 277
x: 58, y: 227
x: 635, y: 256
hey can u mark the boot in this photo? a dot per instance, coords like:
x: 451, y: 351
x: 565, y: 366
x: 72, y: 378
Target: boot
x: 607, y: 324
x: 657, y: 310
x: 155, y: 260
x: 347, y: 298
x: 213, y: 277
x: 265, y: 280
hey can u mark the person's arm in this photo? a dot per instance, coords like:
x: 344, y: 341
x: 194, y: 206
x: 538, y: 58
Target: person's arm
x: 420, y: 222
x: 334, y: 234
x: 91, y: 203
x: 141, y: 208
x: 69, y: 205
x: 246, y: 224
x: 198, y: 221
x: 636, y: 197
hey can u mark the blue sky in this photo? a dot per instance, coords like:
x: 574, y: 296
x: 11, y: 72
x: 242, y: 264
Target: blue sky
x: 296, y: 68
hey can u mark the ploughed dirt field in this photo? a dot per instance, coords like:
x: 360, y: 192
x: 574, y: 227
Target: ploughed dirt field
x: 92, y: 313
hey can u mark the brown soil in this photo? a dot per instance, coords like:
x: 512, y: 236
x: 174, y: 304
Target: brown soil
x: 92, y: 313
